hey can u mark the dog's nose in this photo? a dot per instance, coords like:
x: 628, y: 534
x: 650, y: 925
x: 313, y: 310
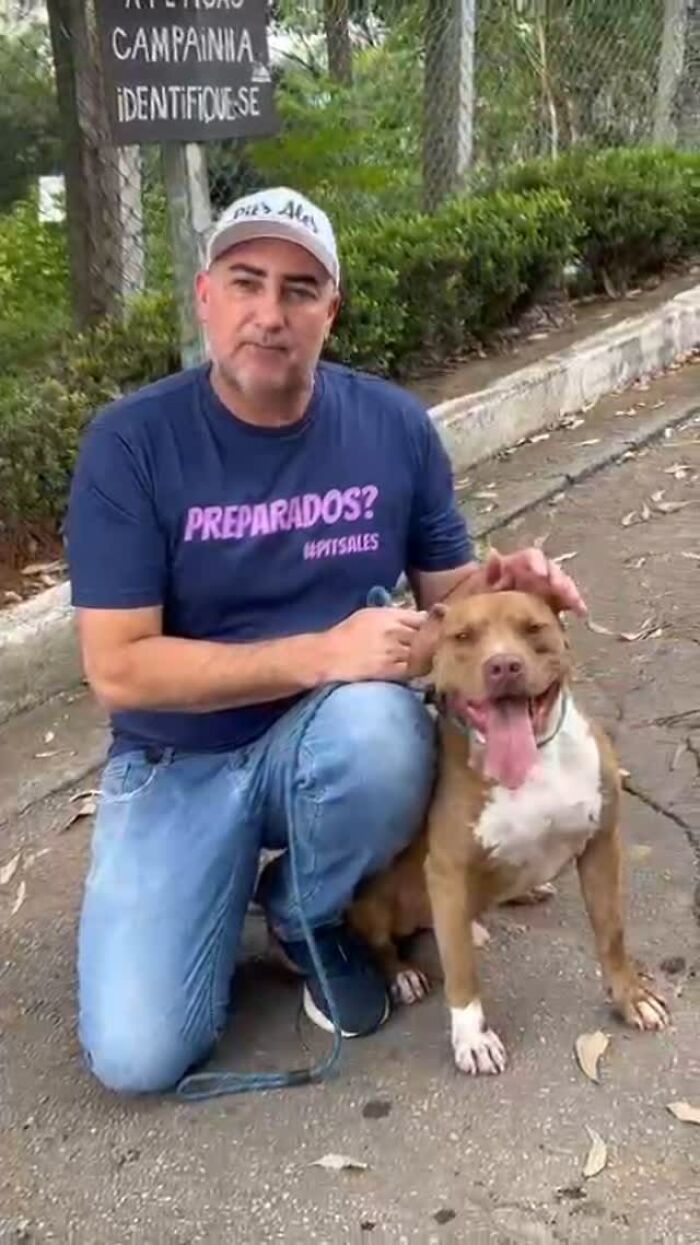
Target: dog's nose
x: 503, y: 674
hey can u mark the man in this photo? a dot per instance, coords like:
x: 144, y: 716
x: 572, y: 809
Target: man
x: 225, y: 527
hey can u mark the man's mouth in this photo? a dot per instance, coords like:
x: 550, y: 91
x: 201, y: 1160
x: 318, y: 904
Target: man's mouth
x: 510, y: 727
x: 267, y: 347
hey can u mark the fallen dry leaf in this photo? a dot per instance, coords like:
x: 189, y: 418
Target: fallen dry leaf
x: 573, y: 422
x: 637, y: 564
x: 645, y: 513
x: 338, y: 1163
x: 41, y: 756
x: 87, y: 808
x: 49, y: 737
x: 598, y: 628
x: 486, y: 495
x: 565, y: 557
x: 43, y: 568
x: 597, y: 1155
x: 639, y: 851
x: 9, y: 870
x: 670, y: 507
x: 647, y: 631
x: 678, y: 754
x: 34, y: 856
x: 684, y: 1112
x: 685, y: 553
x: 589, y: 1049
x: 21, y: 896
x: 658, y: 495
x: 628, y: 519
x: 540, y: 436
x: 91, y: 793
x: 656, y: 405
x: 592, y: 441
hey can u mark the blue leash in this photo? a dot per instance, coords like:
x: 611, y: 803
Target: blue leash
x: 198, y: 1086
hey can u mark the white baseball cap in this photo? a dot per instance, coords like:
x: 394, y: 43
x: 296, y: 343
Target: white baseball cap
x: 276, y: 213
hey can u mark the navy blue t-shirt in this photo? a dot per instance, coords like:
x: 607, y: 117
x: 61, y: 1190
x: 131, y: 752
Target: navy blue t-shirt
x: 244, y: 533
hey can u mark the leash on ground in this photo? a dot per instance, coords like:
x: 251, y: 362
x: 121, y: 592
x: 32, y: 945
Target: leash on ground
x: 199, y: 1086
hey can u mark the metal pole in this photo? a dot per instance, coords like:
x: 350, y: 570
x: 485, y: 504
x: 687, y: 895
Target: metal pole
x: 189, y: 213
x: 670, y: 71
x: 448, y: 114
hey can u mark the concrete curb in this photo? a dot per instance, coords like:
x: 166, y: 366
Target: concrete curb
x: 38, y: 651
x: 479, y: 425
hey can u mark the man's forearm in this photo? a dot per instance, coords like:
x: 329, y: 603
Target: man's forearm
x: 433, y: 586
x: 198, y: 676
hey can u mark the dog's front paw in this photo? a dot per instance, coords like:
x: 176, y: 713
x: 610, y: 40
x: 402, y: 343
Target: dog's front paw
x: 410, y: 985
x: 477, y: 1050
x: 641, y: 1005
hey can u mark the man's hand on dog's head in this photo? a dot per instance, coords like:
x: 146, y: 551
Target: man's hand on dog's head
x: 529, y: 570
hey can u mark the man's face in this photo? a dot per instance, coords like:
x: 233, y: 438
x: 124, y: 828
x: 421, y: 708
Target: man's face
x: 267, y: 306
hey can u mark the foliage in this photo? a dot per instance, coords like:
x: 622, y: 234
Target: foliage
x: 353, y: 149
x: 418, y: 289
x: 421, y: 287
x: 639, y: 209
x: 34, y: 304
x: 29, y: 121
x: 42, y: 416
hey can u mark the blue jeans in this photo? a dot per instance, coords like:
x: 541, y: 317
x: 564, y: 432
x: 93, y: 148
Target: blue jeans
x: 175, y: 856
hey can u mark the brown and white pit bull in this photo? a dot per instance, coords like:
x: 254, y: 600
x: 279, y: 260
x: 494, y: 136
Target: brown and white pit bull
x: 526, y: 784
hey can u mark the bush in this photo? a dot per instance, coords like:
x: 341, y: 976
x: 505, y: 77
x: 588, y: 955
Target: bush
x: 34, y: 303
x: 639, y: 210
x: 419, y: 287
x: 42, y: 417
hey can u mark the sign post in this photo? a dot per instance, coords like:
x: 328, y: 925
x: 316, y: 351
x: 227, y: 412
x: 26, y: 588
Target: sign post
x: 181, y: 73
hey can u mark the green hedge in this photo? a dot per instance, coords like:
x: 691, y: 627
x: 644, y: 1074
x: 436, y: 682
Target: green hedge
x: 418, y: 289
x: 42, y: 416
x: 639, y: 210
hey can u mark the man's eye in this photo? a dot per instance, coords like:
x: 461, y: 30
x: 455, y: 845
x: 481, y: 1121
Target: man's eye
x: 243, y: 283
x: 302, y: 292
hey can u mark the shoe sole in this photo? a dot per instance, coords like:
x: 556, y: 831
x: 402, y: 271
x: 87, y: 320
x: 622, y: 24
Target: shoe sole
x: 317, y: 1017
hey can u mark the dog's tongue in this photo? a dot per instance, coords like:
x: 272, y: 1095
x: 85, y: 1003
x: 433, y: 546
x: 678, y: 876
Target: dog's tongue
x: 511, y: 750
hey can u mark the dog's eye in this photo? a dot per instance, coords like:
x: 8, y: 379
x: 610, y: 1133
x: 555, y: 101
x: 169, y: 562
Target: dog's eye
x: 467, y: 635
x: 532, y: 628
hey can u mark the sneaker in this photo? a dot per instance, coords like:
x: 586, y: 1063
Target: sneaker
x: 358, y: 988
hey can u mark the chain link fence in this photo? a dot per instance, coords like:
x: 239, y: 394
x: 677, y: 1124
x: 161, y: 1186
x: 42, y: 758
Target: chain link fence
x: 385, y: 105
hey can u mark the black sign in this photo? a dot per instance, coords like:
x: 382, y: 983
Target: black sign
x: 186, y: 70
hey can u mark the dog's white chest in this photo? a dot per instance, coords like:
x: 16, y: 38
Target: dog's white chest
x: 539, y: 827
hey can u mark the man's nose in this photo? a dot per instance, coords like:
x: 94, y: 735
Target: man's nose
x: 269, y: 312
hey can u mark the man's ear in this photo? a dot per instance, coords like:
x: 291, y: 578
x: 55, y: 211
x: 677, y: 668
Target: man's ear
x: 437, y: 611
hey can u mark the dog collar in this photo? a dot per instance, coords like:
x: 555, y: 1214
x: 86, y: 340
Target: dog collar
x: 470, y: 733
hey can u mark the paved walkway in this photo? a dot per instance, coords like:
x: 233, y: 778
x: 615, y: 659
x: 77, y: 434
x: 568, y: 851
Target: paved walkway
x: 448, y: 1159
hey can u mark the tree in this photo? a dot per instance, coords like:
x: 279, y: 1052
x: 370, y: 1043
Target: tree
x: 336, y: 15
x: 94, y: 190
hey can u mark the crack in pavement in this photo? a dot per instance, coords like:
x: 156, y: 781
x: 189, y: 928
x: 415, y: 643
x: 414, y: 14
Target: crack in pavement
x: 691, y: 834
